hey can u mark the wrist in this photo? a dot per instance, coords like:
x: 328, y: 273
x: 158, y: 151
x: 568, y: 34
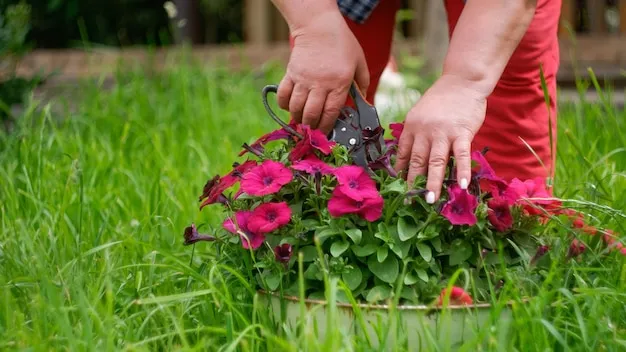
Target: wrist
x: 477, y: 86
x: 302, y: 15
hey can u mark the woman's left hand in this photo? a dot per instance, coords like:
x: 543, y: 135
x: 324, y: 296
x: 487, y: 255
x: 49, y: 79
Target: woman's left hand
x: 445, y: 119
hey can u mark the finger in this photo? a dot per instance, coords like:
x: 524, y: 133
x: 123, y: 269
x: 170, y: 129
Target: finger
x: 284, y: 92
x: 405, y: 144
x: 297, y: 102
x: 332, y: 108
x: 313, y: 108
x: 418, y: 161
x: 463, y: 159
x: 437, y: 163
x: 362, y: 75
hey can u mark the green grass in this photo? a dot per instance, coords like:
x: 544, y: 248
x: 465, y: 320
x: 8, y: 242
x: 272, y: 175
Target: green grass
x: 93, y: 204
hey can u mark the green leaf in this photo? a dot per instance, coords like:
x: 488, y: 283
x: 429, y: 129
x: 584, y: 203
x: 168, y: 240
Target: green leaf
x: 313, y: 273
x: 397, y: 186
x: 337, y: 248
x: 382, y: 253
x: 430, y: 231
x: 436, y: 242
x: 364, y: 251
x: 407, y: 229
x: 459, y: 252
x: 425, y: 251
x: 309, y: 253
x: 410, y: 278
x: 272, y: 280
x: 324, y: 232
x: 355, y: 235
x: 352, y: 277
x: 400, y: 248
x: 386, y: 271
x: 378, y: 293
x: 421, y: 273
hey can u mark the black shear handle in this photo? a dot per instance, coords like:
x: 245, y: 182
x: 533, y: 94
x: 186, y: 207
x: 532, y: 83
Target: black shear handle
x: 274, y: 89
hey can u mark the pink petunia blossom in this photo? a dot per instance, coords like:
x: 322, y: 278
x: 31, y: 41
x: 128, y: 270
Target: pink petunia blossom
x: 213, y: 189
x: 268, y: 217
x: 355, y: 183
x: 312, y: 165
x: 458, y: 296
x: 312, y: 139
x: 283, y: 252
x: 248, y: 238
x: 267, y: 178
x: 576, y: 248
x: 369, y: 209
x: 499, y: 214
x: 485, y: 170
x: 396, y: 129
x: 460, y: 207
x: 272, y: 136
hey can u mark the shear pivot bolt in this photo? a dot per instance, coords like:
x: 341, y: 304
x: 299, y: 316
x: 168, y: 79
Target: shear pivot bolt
x: 352, y: 141
x: 343, y: 129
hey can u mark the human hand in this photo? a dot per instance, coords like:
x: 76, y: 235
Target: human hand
x: 326, y: 58
x: 446, y: 118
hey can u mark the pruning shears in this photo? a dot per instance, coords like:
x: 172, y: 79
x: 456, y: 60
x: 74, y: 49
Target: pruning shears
x: 358, y: 128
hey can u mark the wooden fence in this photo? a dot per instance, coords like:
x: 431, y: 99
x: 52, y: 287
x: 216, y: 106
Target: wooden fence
x: 592, y: 32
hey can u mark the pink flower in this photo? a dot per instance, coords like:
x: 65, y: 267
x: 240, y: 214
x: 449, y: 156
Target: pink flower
x: 396, y: 129
x: 272, y: 136
x: 312, y: 165
x: 268, y: 217
x: 283, y: 253
x: 575, y: 249
x: 485, y: 170
x: 267, y: 178
x: 460, y: 207
x: 312, y: 139
x: 458, y: 296
x: 499, y: 214
x: 355, y: 183
x: 248, y: 238
x: 369, y: 209
x: 213, y: 189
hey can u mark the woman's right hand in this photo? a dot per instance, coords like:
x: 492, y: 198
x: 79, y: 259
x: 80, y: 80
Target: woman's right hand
x: 326, y: 58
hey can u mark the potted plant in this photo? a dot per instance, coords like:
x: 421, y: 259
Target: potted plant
x: 301, y: 214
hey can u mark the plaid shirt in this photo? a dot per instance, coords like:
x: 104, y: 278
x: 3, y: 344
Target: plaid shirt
x: 357, y: 10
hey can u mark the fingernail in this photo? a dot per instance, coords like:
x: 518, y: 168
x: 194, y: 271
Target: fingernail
x: 464, y: 183
x: 430, y: 197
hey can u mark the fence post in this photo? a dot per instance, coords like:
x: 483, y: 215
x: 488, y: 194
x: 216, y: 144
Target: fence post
x: 436, y: 39
x: 257, y: 22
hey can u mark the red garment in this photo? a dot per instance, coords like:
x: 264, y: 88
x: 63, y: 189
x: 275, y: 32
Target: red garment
x: 516, y: 109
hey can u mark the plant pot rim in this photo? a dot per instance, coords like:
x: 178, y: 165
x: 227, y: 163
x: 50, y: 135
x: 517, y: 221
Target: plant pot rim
x: 421, y: 307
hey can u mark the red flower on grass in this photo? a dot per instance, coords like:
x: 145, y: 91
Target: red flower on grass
x: 458, y: 296
x: 249, y: 239
x: 460, y: 207
x: 575, y: 249
x: 355, y: 183
x: 499, y: 214
x: 312, y: 139
x: 272, y: 136
x: 369, y: 209
x: 312, y: 165
x: 268, y: 217
x: 215, y: 187
x: 267, y: 178
x: 283, y: 252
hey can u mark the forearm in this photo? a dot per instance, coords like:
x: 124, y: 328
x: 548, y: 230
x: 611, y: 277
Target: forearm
x: 484, y: 39
x: 299, y: 13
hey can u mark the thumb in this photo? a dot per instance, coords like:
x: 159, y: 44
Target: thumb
x: 362, y: 75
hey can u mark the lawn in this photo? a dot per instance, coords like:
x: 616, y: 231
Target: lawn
x: 96, y: 190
